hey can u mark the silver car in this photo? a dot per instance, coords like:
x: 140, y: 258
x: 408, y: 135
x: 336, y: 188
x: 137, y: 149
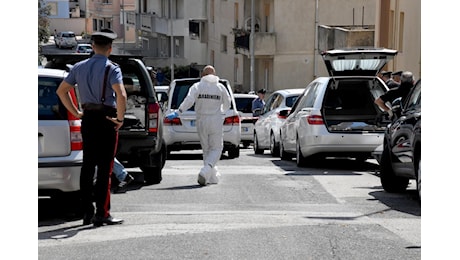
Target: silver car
x: 66, y: 40
x: 336, y: 116
x: 244, y: 107
x: 60, y: 153
x: 267, y: 127
x: 181, y: 133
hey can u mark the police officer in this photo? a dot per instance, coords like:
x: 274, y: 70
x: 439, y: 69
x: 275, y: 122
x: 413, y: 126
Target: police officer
x: 259, y: 102
x: 103, y: 98
x: 211, y: 101
x: 386, y: 77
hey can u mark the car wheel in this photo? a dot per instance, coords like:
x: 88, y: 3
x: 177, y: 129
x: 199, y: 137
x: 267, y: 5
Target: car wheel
x: 390, y: 182
x: 257, y: 150
x: 234, y: 152
x: 274, y: 150
x: 152, y: 175
x: 419, y: 178
x: 283, y: 155
x: 301, y: 160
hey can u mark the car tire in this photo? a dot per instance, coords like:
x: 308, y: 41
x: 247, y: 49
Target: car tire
x: 274, y: 147
x: 301, y: 160
x: 283, y: 154
x: 152, y: 175
x: 257, y: 150
x: 234, y: 152
x: 390, y: 182
x: 418, y: 171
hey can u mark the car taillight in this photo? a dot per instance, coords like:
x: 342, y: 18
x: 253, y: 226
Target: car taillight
x: 76, y: 140
x: 315, y: 120
x: 233, y: 120
x: 154, y: 111
x: 174, y: 121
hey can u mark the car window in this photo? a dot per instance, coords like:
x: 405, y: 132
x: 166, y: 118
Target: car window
x: 310, y: 96
x: 291, y: 100
x: 244, y: 104
x: 268, y: 104
x: 49, y: 106
x: 277, y: 102
x: 415, y: 98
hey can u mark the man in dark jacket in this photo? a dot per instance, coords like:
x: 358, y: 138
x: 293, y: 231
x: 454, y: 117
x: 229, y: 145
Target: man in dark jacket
x: 407, y: 82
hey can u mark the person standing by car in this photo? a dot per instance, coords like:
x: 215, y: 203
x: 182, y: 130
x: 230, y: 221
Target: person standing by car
x: 386, y: 77
x: 258, y: 103
x: 396, y: 76
x: 211, y: 101
x: 407, y: 82
x: 103, y: 98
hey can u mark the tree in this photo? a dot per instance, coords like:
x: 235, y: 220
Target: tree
x: 43, y: 25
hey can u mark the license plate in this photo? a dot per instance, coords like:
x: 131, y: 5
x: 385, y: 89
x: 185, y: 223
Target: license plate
x: 245, y: 129
x: 192, y: 122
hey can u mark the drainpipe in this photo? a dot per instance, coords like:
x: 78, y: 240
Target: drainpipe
x: 315, y: 69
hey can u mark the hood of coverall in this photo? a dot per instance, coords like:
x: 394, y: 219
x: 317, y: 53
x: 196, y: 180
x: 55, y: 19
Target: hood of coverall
x: 210, y: 79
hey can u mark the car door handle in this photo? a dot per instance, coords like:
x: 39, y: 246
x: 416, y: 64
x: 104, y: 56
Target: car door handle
x: 40, y: 135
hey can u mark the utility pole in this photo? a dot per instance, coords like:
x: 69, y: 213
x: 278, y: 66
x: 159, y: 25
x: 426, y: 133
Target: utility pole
x: 172, y: 40
x: 251, y: 44
x: 124, y: 23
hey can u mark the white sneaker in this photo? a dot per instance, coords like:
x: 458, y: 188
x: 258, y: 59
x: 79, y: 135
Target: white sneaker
x: 215, y: 174
x: 204, y: 175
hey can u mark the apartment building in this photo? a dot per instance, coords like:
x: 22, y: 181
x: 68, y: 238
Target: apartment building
x: 286, y: 52
x: 170, y: 31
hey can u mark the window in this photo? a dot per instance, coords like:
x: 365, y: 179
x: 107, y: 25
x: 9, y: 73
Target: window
x: 401, y: 33
x: 236, y: 16
x: 212, y: 11
x: 223, y: 43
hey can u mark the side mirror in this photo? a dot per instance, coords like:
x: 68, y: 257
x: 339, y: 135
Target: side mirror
x: 284, y: 113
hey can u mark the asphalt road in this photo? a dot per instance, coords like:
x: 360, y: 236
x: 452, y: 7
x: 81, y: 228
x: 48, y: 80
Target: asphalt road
x: 263, y: 208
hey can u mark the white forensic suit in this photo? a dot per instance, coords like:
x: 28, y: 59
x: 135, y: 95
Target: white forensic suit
x: 211, y: 101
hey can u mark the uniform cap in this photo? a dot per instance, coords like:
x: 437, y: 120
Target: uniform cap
x: 397, y: 73
x: 386, y: 73
x: 262, y: 91
x: 104, y: 35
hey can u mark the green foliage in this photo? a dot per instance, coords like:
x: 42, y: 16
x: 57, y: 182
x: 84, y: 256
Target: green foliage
x: 43, y: 25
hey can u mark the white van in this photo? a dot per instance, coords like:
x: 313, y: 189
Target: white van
x: 66, y: 40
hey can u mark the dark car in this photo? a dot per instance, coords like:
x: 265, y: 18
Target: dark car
x: 140, y: 139
x: 401, y: 156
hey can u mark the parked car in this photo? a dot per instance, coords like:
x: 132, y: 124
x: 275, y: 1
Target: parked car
x: 60, y: 153
x: 336, y: 116
x: 83, y: 48
x: 65, y: 40
x: 140, y: 139
x: 181, y: 133
x: 267, y: 127
x: 401, y: 157
x: 244, y: 107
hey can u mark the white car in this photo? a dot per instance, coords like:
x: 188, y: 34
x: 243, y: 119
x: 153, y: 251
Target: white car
x: 60, y: 154
x: 336, y: 116
x: 181, y: 133
x: 66, y: 40
x: 83, y: 48
x: 244, y: 107
x: 267, y: 127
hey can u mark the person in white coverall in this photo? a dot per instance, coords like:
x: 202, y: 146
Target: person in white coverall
x: 211, y: 101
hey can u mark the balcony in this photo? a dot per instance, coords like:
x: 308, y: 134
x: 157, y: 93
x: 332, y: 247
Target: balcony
x: 147, y: 22
x: 264, y: 43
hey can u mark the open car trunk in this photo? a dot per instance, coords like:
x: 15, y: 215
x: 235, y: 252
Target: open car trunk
x: 348, y: 106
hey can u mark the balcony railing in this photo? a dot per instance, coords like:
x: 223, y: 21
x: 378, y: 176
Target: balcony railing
x: 264, y: 43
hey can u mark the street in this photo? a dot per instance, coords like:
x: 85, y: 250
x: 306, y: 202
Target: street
x: 263, y: 208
